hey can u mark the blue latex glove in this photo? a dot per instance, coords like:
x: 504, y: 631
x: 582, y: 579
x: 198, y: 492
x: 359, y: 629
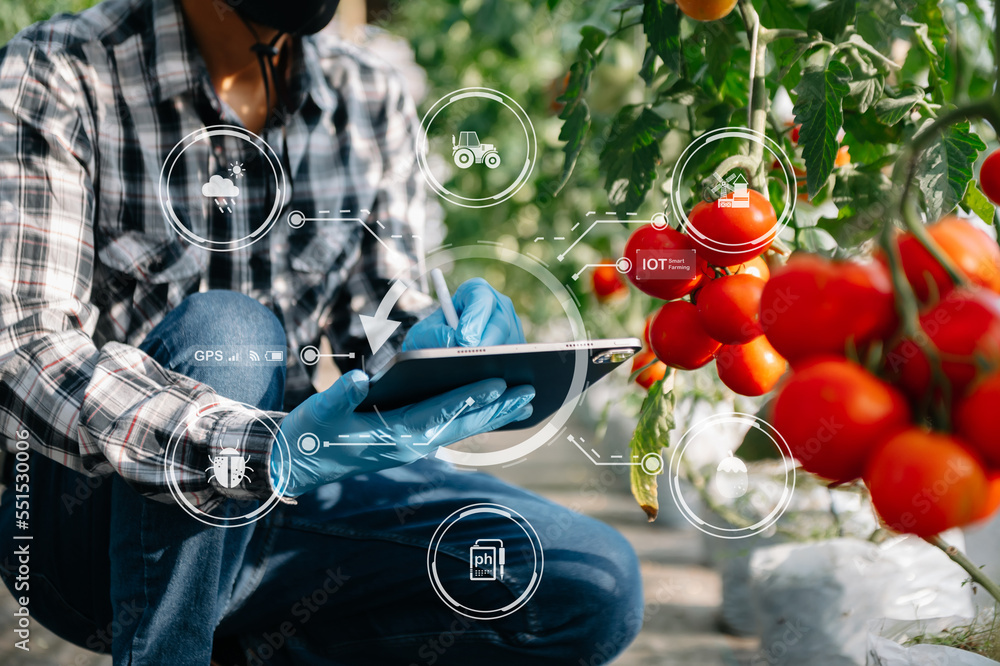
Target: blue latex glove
x: 400, y: 436
x: 485, y: 317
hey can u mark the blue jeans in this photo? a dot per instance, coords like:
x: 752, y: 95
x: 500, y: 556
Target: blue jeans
x: 339, y: 578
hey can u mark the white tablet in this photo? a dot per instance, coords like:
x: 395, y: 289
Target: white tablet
x: 559, y: 371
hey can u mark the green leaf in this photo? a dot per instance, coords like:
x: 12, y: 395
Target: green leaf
x: 626, y: 5
x: 833, y: 18
x: 927, y: 13
x: 945, y: 169
x: 652, y: 434
x: 648, y: 70
x: 819, y: 109
x: 756, y: 444
x: 866, y: 89
x: 576, y: 116
x: 779, y: 14
x: 890, y: 110
x: 817, y: 241
x: 591, y: 40
x: 631, y: 155
x: 977, y: 202
x: 662, y: 24
x: 928, y: 24
x: 683, y: 92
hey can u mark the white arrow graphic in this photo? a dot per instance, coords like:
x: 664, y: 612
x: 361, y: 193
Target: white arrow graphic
x: 379, y: 328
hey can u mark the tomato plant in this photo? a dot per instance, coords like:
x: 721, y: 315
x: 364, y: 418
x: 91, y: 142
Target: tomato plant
x: 925, y: 483
x: 607, y: 282
x: 977, y: 419
x: 706, y: 10
x: 964, y: 329
x: 880, y: 143
x: 678, y: 338
x: 647, y: 238
x: 972, y: 251
x: 751, y: 368
x: 651, y: 374
x: 724, y: 234
x: 813, y: 306
x: 729, y: 308
x: 832, y: 412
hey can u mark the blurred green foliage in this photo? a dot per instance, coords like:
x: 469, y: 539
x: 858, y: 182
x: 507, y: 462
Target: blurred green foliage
x: 17, y: 14
x: 524, y: 49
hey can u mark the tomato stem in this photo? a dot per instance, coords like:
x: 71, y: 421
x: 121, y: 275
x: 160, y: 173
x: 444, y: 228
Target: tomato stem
x: 635, y: 373
x: 758, y: 91
x: 910, y: 329
x: 959, y: 558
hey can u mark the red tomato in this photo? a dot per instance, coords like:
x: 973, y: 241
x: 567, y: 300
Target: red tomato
x: 729, y: 235
x: 924, y: 483
x: 677, y: 337
x: 608, y: 282
x: 813, y: 306
x: 972, y: 250
x: 756, y: 267
x: 648, y: 238
x: 989, y: 177
x: 976, y: 419
x: 794, y: 135
x: 651, y: 375
x: 753, y: 368
x: 843, y: 157
x: 729, y: 308
x: 706, y: 10
x: 992, y: 496
x: 831, y: 413
x: 965, y: 329
x: 645, y: 330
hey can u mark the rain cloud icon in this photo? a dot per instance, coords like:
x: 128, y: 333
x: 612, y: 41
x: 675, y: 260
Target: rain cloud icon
x: 221, y: 189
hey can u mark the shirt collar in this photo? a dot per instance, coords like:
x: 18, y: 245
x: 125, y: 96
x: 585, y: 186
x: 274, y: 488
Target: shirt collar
x: 314, y: 81
x: 177, y: 62
x: 179, y: 67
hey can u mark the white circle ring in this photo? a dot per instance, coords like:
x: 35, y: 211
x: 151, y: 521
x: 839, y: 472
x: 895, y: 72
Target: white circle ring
x: 538, y: 556
x: 207, y: 133
x: 724, y: 532
x: 284, y: 468
x: 422, y: 147
x: 706, y: 140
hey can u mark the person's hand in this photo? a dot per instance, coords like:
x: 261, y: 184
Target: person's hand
x: 364, y: 442
x: 485, y: 317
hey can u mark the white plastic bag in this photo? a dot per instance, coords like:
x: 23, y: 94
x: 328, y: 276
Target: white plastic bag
x: 884, y: 647
x: 815, y: 600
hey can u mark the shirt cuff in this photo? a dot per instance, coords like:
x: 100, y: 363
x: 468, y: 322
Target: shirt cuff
x: 240, y: 445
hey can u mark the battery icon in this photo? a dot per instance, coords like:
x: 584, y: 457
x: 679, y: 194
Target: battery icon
x: 485, y: 560
x: 276, y: 356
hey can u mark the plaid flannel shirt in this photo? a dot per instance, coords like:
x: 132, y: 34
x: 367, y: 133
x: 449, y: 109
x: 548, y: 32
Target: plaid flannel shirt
x: 90, y: 107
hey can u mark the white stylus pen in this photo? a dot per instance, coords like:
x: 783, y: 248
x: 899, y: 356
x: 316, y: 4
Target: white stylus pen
x: 444, y: 297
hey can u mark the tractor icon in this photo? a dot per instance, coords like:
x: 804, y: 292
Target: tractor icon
x: 469, y: 150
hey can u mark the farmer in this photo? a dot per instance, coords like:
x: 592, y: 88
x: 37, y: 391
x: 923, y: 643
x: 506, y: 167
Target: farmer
x: 120, y: 276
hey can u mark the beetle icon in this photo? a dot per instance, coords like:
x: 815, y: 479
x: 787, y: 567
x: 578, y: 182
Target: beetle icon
x: 229, y: 468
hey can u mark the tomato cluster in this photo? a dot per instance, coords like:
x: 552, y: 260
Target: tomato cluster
x: 918, y: 420
x: 713, y: 310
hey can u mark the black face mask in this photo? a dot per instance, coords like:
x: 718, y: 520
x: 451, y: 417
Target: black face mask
x: 295, y: 17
